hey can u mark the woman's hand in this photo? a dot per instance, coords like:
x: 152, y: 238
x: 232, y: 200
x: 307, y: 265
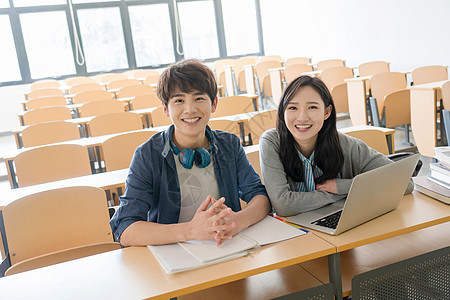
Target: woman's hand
x: 329, y: 186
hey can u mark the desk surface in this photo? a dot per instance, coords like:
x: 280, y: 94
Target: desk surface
x: 416, y: 211
x: 431, y: 85
x: 140, y: 277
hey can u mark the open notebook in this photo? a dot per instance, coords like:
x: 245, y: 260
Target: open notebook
x: 189, y: 255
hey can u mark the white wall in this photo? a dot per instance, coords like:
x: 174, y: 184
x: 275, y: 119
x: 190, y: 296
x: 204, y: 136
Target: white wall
x: 406, y: 33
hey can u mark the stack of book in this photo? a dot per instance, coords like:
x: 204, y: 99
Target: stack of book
x: 437, y: 183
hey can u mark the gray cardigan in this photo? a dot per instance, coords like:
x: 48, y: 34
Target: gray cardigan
x: 358, y: 158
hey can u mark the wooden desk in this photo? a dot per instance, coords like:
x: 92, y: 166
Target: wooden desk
x: 357, y: 89
x: 424, y: 103
x: 416, y: 211
x: 141, y: 277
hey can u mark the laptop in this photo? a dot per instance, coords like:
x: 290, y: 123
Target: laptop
x: 371, y: 194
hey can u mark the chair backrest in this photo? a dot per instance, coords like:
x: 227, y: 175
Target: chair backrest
x: 330, y: 63
x: 297, y: 61
x: 78, y: 80
x: 293, y: 71
x: 262, y: 69
x: 55, y: 220
x: 397, y: 108
x: 117, y: 84
x: 373, y: 137
x: 78, y: 88
x: 134, y: 90
x: 57, y: 257
x: 97, y: 108
x: 335, y: 75
x: 145, y: 101
x: 114, y: 123
x: 253, y: 157
x: 94, y: 95
x: 46, y: 101
x: 140, y: 73
x: 429, y: 74
x: 270, y: 58
x: 152, y: 79
x: 46, y: 114
x: 51, y: 163
x: 49, y: 132
x: 225, y: 125
x: 373, y: 67
x: 219, y: 69
x: 238, y: 69
x: 233, y: 105
x: 108, y: 77
x: 386, y: 83
x: 45, y: 92
x: 446, y: 95
x: 159, y: 118
x: 260, y: 123
x: 44, y: 84
x: 118, y: 150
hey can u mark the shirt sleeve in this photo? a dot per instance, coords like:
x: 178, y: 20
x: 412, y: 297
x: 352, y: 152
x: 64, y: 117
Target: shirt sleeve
x: 135, y: 202
x: 285, y: 200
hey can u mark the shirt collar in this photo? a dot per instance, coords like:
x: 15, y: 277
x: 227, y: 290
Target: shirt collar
x: 304, y: 159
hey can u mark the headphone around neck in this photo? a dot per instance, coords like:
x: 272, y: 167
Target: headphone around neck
x: 201, y: 157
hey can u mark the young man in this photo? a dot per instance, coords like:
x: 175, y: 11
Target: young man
x: 185, y: 183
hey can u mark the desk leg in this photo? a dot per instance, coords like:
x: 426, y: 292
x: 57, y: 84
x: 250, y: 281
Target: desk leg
x: 334, y: 271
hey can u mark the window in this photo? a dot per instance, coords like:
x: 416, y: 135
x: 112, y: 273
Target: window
x: 19, y: 3
x: 102, y: 39
x: 4, y: 3
x: 198, y: 28
x: 91, y: 1
x: 8, y: 58
x: 241, y: 31
x: 152, y: 36
x: 47, y: 43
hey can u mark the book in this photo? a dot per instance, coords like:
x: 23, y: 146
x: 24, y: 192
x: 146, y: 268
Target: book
x: 442, y: 154
x: 183, y: 256
x: 439, y: 182
x: 440, y: 167
x: 440, y: 176
x: 427, y: 187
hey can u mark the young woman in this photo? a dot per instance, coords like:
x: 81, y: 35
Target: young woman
x: 305, y: 162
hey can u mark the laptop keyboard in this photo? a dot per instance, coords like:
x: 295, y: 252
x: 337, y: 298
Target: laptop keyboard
x: 329, y: 221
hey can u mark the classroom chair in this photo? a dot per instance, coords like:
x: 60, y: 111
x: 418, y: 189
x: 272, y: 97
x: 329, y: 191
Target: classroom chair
x: 54, y: 226
x: 322, y: 292
x: 78, y: 88
x: 262, y: 78
x: 334, y: 78
x: 94, y: 95
x: 152, y: 79
x: 44, y: 92
x: 372, y: 68
x: 234, y: 105
x: 118, y: 150
x: 219, y: 69
x: 426, y: 276
x: 108, y: 77
x: 46, y: 114
x: 114, y: 123
x: 297, y: 61
x: 293, y: 71
x: 145, y: 101
x: 259, y: 123
x: 44, y: 84
x: 97, y: 108
x: 445, y: 90
x: 117, y: 84
x: 140, y: 73
x: 225, y: 125
x: 270, y: 58
x: 71, y: 81
x: 134, y: 90
x: 45, y: 101
x: 252, y: 153
x: 49, y: 133
x: 330, y: 63
x: 373, y: 137
x: 239, y: 73
x: 159, y: 118
x: 390, y: 104
x: 429, y: 74
x: 51, y: 163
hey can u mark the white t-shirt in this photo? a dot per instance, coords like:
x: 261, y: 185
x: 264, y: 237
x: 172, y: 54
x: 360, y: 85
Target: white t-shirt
x: 195, y: 185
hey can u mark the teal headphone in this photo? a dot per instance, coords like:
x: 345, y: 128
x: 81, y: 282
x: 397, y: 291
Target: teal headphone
x: 201, y: 157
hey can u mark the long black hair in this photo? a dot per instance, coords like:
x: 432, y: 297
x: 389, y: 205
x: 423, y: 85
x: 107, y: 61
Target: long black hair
x: 327, y: 151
